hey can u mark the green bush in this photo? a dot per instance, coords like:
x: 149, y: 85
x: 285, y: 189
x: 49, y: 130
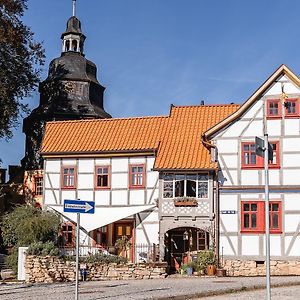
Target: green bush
x: 12, y: 260
x: 26, y: 225
x: 43, y: 249
x: 205, y: 258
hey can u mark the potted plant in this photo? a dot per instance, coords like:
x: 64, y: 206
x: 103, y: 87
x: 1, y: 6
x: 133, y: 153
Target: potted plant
x: 123, y: 244
x: 188, y: 268
x: 206, y: 262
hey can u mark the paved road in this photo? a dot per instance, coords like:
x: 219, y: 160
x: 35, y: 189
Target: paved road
x: 283, y: 293
x: 175, y: 288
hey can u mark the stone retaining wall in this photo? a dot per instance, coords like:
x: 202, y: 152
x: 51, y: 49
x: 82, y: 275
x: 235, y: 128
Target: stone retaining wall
x: 54, y: 269
x: 256, y: 268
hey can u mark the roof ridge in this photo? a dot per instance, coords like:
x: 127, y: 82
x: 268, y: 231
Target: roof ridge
x: 107, y: 119
x: 206, y: 105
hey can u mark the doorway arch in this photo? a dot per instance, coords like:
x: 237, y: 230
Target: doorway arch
x: 182, y: 243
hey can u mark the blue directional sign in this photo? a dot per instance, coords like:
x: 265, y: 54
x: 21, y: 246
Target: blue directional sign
x: 79, y: 206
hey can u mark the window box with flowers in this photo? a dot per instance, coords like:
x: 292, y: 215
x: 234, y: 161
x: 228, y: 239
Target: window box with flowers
x: 185, y: 201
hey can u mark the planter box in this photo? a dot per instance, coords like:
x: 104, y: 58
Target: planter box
x: 185, y: 203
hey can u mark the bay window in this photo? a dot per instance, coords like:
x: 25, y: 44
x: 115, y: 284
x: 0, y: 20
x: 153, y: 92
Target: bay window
x: 185, y: 185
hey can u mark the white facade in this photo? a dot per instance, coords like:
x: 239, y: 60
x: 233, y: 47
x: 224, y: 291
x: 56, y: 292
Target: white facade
x: 241, y: 184
x: 118, y: 194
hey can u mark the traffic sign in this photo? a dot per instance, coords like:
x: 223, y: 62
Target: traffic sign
x: 260, y: 148
x: 79, y: 206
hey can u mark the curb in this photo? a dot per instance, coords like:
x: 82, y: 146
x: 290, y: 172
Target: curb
x: 227, y: 291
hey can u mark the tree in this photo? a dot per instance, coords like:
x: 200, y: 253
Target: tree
x: 20, y: 60
x: 26, y: 225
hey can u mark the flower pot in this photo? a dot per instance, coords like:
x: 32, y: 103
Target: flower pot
x: 221, y: 272
x: 211, y: 270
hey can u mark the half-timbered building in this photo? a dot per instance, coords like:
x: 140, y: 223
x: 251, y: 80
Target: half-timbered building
x: 274, y: 110
x: 152, y: 179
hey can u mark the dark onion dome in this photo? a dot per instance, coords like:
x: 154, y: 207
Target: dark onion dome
x: 72, y: 66
x: 73, y: 26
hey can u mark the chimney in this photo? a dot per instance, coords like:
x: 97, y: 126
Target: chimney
x: 202, y: 102
x: 2, y: 176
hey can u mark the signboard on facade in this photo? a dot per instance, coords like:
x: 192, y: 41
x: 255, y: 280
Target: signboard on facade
x: 228, y: 212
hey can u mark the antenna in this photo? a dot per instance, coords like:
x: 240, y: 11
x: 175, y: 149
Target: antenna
x: 74, y: 8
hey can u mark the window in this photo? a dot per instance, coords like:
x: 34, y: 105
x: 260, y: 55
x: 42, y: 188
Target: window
x: 66, y: 237
x: 253, y: 216
x: 100, y: 236
x: 249, y: 157
x: 202, y: 186
x: 69, y: 178
x: 251, y: 160
x: 102, y: 177
x: 275, y: 163
x: 291, y: 107
x: 38, y: 186
x: 275, y: 217
x: 274, y: 108
x: 137, y: 176
x: 168, y: 186
x: 185, y: 185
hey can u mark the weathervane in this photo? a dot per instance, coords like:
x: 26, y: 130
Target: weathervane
x: 74, y: 8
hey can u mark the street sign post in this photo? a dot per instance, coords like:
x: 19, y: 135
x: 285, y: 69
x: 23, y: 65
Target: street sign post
x: 264, y: 149
x: 78, y: 207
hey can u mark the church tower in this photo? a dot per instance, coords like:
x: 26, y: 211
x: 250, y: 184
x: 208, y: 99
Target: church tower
x: 70, y: 92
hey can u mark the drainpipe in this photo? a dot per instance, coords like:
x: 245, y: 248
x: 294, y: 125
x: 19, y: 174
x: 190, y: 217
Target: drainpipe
x: 217, y: 220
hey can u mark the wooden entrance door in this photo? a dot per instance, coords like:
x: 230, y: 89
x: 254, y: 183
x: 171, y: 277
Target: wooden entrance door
x: 123, y: 229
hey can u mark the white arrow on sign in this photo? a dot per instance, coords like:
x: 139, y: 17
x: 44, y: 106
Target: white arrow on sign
x: 88, y: 207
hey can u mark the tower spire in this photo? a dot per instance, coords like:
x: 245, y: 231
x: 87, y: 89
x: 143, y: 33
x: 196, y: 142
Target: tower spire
x: 74, y: 7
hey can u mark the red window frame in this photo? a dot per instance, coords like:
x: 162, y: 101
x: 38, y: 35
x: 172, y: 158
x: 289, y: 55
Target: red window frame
x: 101, y: 233
x: 294, y: 114
x: 258, y: 213
x: 64, y: 234
x: 273, y: 213
x: 260, y: 216
x: 96, y: 177
x: 259, y: 161
x: 68, y: 186
x: 133, y: 181
x: 38, y: 179
x: 271, y: 102
x: 276, y: 154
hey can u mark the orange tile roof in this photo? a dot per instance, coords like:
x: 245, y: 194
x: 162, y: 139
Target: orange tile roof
x: 176, y: 138
x: 182, y: 147
x: 106, y: 135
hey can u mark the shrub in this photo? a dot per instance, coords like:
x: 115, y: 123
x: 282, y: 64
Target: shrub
x: 43, y: 249
x: 26, y: 225
x: 205, y: 258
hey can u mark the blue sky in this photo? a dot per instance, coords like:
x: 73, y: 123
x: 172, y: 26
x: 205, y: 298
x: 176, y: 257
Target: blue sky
x: 151, y: 53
